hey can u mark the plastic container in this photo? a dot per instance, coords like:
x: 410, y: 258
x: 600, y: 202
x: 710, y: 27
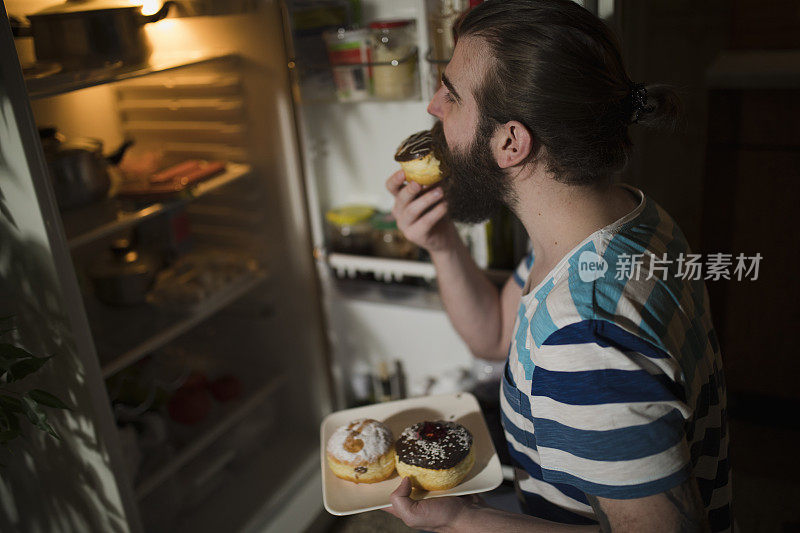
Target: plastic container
x: 350, y: 53
x: 393, y: 42
x: 349, y: 230
x: 390, y: 241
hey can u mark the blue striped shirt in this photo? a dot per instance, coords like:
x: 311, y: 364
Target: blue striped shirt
x: 614, y: 385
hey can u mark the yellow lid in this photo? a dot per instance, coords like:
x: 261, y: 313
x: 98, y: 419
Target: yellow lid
x: 349, y: 214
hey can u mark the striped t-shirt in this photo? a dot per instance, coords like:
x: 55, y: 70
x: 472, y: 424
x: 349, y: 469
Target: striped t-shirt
x: 613, y: 385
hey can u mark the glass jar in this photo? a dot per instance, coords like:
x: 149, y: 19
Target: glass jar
x: 442, y: 16
x: 350, y: 55
x: 348, y: 229
x: 390, y: 241
x: 393, y: 42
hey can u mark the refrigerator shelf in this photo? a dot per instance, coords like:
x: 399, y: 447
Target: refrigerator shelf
x: 181, y: 104
x: 104, y: 218
x: 62, y: 82
x: 411, y: 56
x: 318, y: 86
x: 384, y: 269
x: 129, y: 334
x: 208, y: 434
x: 389, y: 270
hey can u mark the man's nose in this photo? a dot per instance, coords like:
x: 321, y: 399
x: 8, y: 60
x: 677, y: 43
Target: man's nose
x: 435, y: 105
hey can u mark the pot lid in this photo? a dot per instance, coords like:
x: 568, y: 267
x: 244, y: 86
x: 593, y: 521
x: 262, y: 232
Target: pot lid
x: 79, y: 6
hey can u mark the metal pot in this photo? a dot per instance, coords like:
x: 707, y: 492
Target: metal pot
x: 93, y: 33
x: 123, y: 275
x: 78, y: 168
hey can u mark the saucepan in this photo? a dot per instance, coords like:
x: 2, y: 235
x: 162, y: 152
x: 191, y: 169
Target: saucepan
x: 93, y: 33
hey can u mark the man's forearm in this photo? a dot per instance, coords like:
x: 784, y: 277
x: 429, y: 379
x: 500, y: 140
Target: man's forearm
x: 471, y: 300
x: 483, y: 519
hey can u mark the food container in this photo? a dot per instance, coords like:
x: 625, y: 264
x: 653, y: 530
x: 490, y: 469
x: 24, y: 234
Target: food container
x: 349, y: 53
x: 123, y: 275
x: 393, y: 44
x: 93, y: 33
x: 349, y: 230
x: 390, y: 241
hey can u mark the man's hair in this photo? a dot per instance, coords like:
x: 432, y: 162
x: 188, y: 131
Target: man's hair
x: 557, y: 69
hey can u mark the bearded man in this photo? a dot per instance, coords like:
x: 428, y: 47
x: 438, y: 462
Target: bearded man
x: 613, y: 398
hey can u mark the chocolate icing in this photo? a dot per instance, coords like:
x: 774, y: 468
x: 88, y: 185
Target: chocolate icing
x: 415, y: 147
x: 436, y: 445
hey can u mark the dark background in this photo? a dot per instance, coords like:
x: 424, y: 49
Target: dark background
x: 731, y: 178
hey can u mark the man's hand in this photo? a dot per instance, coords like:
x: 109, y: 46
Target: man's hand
x: 435, y: 514
x: 421, y: 217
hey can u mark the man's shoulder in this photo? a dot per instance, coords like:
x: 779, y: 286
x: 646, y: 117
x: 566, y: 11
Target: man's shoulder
x: 630, y: 278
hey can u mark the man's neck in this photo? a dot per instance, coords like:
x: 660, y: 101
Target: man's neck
x: 557, y: 216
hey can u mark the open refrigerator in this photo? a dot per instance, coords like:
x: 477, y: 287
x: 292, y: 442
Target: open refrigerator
x: 208, y: 393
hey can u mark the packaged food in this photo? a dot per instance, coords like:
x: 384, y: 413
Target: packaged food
x: 349, y: 53
x: 349, y: 230
x: 390, y: 241
x: 393, y: 43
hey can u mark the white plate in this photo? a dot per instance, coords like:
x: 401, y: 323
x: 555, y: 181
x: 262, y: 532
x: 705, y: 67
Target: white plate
x: 343, y: 497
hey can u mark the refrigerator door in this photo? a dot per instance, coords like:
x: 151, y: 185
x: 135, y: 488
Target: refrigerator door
x: 75, y: 483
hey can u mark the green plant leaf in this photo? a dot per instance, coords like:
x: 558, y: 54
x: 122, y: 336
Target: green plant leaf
x: 11, y: 404
x: 45, y: 398
x: 23, y: 368
x: 8, y: 436
x: 37, y: 417
x: 9, y: 351
x: 9, y: 427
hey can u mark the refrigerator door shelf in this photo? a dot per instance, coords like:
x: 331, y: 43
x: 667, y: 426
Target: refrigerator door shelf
x: 390, y: 270
x: 384, y: 269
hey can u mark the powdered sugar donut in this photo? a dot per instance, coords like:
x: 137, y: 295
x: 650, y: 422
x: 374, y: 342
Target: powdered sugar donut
x: 435, y: 455
x: 362, y: 451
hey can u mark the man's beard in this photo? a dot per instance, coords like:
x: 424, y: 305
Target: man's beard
x: 474, y: 186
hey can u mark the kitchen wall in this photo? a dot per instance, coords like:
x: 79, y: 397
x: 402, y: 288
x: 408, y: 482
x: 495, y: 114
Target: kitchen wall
x: 730, y: 176
x: 673, y: 42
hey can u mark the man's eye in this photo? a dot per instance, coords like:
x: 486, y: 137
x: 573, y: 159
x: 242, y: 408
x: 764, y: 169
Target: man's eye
x: 449, y: 98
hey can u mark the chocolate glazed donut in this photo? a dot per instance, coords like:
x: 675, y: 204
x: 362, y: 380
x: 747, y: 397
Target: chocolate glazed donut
x: 435, y: 455
x: 417, y: 157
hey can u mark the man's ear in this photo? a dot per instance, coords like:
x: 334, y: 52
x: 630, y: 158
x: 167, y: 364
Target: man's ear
x: 512, y: 143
